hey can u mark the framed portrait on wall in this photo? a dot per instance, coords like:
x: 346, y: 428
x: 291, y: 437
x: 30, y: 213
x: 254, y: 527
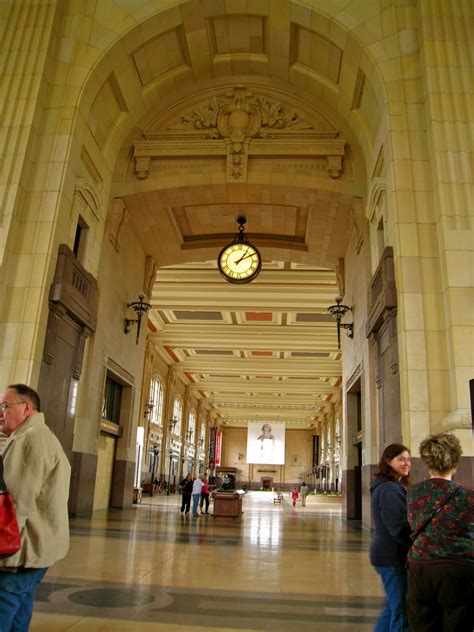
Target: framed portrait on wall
x: 266, y: 443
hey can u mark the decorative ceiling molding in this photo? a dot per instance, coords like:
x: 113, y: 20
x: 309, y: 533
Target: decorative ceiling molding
x: 240, y: 124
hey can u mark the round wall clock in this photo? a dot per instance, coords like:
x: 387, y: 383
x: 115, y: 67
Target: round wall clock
x: 240, y: 261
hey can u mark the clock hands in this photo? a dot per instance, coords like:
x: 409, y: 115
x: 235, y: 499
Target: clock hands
x: 245, y: 256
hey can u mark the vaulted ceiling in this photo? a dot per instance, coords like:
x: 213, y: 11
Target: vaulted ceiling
x: 256, y: 109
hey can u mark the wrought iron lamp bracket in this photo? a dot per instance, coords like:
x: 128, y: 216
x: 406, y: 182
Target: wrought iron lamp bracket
x: 140, y: 308
x: 338, y: 311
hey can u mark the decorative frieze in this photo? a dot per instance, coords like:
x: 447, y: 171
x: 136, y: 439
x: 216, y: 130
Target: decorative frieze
x: 239, y: 125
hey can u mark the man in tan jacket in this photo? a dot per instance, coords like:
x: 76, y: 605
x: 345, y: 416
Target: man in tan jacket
x: 37, y: 474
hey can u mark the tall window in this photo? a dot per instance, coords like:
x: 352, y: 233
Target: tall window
x: 191, y: 427
x: 177, y: 414
x: 202, y: 440
x: 156, y: 399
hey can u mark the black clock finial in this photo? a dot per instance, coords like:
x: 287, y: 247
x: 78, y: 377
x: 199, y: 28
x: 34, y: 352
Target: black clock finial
x: 241, y: 221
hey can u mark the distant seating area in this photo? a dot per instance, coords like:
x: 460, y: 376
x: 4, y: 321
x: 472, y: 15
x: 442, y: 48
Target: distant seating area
x: 277, y: 498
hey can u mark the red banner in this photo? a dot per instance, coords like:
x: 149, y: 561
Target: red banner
x: 218, y: 447
x: 212, y: 447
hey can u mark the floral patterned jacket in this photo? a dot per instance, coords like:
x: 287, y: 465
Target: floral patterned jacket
x: 450, y: 534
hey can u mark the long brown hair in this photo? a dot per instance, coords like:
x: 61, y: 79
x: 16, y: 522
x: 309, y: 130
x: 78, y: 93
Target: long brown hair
x: 383, y: 469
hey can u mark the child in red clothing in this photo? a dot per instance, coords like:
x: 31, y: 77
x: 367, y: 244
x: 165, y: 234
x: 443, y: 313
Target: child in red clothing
x: 204, y: 501
x: 294, y: 496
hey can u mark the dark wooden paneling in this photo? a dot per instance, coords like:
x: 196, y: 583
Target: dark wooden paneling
x: 81, y: 496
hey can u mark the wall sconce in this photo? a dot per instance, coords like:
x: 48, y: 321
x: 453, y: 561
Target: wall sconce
x: 295, y: 458
x: 140, y: 308
x: 240, y: 456
x: 148, y: 408
x: 338, y: 312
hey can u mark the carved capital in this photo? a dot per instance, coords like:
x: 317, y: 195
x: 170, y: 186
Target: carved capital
x: 459, y: 419
x: 142, y: 166
x: 334, y: 166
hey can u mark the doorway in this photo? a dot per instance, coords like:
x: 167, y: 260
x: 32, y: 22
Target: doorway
x: 267, y: 483
x: 352, y: 498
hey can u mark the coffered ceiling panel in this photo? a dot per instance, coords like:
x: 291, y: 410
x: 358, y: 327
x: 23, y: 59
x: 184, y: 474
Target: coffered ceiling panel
x: 214, y: 219
x: 266, y: 350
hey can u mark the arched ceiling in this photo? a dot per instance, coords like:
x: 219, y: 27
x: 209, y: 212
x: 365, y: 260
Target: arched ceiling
x: 260, y: 109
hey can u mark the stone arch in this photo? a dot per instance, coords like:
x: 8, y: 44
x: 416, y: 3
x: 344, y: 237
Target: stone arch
x: 374, y: 95
x: 344, y: 96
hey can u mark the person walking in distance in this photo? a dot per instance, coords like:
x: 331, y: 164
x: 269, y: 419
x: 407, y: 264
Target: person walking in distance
x: 304, y: 491
x: 294, y: 496
x: 37, y: 474
x: 197, y: 489
x: 186, y: 491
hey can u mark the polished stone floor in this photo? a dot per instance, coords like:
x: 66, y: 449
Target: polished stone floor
x: 149, y: 568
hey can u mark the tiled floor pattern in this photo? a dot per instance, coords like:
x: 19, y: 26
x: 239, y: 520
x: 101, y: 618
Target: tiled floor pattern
x: 151, y: 568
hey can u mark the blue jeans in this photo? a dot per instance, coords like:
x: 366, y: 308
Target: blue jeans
x: 394, y: 615
x: 196, y: 498
x: 17, y: 594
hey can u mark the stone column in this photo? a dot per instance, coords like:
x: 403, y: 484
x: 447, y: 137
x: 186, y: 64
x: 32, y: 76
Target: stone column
x: 445, y: 53
x: 167, y: 415
x: 27, y: 34
x: 184, y: 434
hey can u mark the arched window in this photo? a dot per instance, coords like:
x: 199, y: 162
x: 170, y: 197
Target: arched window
x: 156, y: 400
x: 202, y: 441
x: 177, y: 414
x: 191, y: 427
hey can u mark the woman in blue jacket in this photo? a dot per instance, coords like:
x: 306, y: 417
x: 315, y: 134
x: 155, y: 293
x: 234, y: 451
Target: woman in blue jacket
x: 391, y: 541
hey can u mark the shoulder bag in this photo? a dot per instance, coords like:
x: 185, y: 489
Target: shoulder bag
x: 10, y: 540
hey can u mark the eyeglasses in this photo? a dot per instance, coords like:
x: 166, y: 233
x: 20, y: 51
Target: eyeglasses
x: 4, y: 406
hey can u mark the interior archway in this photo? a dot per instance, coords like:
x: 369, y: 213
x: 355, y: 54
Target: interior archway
x: 192, y: 142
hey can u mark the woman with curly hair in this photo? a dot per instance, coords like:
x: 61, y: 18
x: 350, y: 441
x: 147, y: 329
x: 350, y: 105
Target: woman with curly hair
x: 441, y: 559
x: 391, y: 539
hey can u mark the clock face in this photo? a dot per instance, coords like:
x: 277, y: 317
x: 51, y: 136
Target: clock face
x: 239, y: 262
